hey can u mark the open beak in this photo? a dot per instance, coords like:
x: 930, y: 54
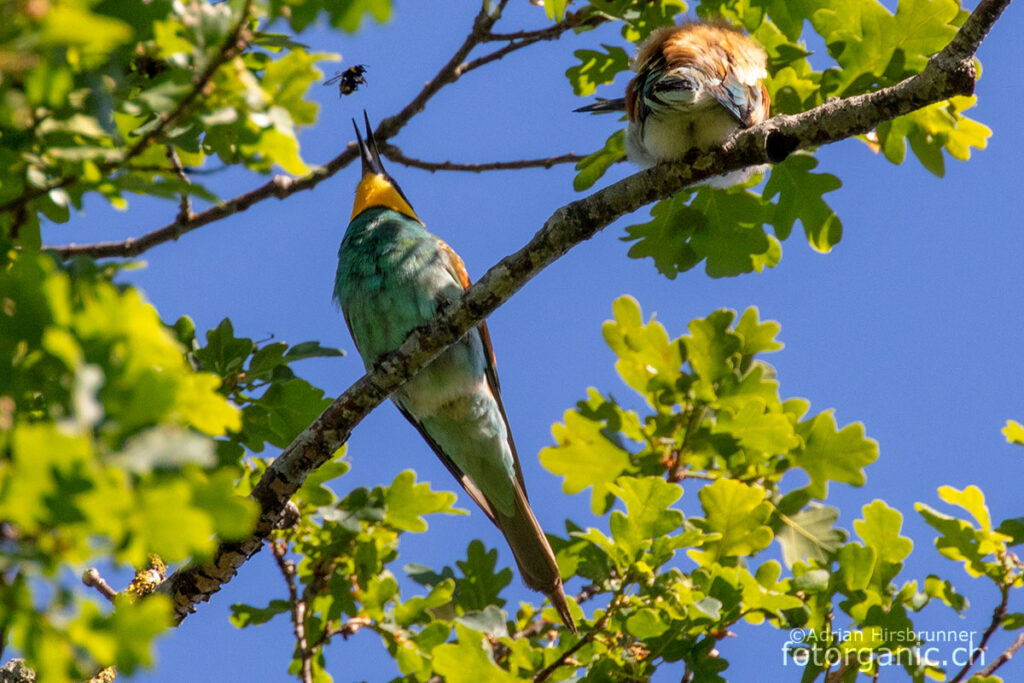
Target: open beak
x: 368, y: 149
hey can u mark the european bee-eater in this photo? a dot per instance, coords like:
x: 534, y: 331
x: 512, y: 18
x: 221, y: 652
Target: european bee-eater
x: 695, y: 86
x: 394, y: 276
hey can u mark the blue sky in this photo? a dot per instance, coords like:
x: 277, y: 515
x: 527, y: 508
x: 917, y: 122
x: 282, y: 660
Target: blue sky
x: 912, y: 325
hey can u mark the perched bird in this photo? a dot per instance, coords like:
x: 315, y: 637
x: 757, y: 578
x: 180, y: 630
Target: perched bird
x: 695, y: 85
x: 394, y: 276
x: 348, y: 80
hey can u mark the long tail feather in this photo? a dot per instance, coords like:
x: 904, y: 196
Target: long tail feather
x: 534, y: 556
x: 602, y: 106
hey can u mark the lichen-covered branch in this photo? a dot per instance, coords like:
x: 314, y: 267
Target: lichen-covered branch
x: 946, y: 75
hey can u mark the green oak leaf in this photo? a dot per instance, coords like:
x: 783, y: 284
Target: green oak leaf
x: 880, y: 530
x: 591, y: 167
x: 480, y: 584
x: 666, y: 238
x: 648, y: 360
x: 468, y: 660
x: 754, y: 426
x: 1013, y: 529
x: 246, y: 615
x: 725, y: 227
x: 943, y: 590
x: 646, y: 623
x: 224, y: 353
x: 711, y: 349
x: 856, y: 566
x: 408, y: 501
x: 800, y: 195
x: 958, y: 541
x: 648, y: 515
x: 124, y: 637
x: 596, y: 68
x: 757, y: 337
x: 1014, y: 432
x: 829, y: 454
x: 585, y: 457
x: 739, y: 513
x: 810, y: 534
x: 313, y: 490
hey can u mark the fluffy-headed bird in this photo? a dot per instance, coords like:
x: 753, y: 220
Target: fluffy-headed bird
x: 394, y: 276
x: 695, y: 86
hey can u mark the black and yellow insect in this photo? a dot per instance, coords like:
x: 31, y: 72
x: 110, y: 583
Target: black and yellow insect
x: 348, y: 80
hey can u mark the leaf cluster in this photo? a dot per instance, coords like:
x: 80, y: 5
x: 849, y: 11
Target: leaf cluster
x: 107, y: 454
x: 100, y: 98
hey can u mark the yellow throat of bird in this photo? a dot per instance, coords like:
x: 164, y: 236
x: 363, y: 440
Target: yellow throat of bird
x: 377, y: 190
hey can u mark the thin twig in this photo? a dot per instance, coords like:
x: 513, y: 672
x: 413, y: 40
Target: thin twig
x: 535, y: 628
x: 185, y: 206
x: 583, y: 17
x: 398, y: 156
x: 496, y: 55
x: 91, y: 578
x: 190, y: 170
x: 1003, y: 658
x: 563, y: 659
x: 298, y: 610
x: 346, y: 630
x: 449, y: 73
x: 678, y: 471
x: 527, y: 38
x: 568, y: 226
x: 591, y: 633
x: 997, y: 618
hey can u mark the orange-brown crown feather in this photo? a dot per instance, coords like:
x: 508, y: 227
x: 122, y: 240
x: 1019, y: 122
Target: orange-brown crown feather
x: 705, y: 45
x: 712, y: 48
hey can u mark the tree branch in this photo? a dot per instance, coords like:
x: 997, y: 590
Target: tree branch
x: 583, y: 17
x: 518, y: 41
x: 398, y: 156
x: 282, y: 186
x: 91, y: 578
x: 943, y: 77
x: 997, y: 618
x: 602, y: 623
x: 298, y: 610
x: 449, y: 73
x: 185, y: 205
x: 1006, y: 656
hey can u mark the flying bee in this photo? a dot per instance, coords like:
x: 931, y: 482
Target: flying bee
x: 348, y: 80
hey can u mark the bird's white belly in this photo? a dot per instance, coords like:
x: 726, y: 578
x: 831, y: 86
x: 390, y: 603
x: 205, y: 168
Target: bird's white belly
x: 670, y: 136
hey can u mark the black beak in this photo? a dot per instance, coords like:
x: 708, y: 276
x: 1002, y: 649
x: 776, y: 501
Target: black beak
x: 674, y: 83
x: 371, y: 156
x: 368, y: 149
